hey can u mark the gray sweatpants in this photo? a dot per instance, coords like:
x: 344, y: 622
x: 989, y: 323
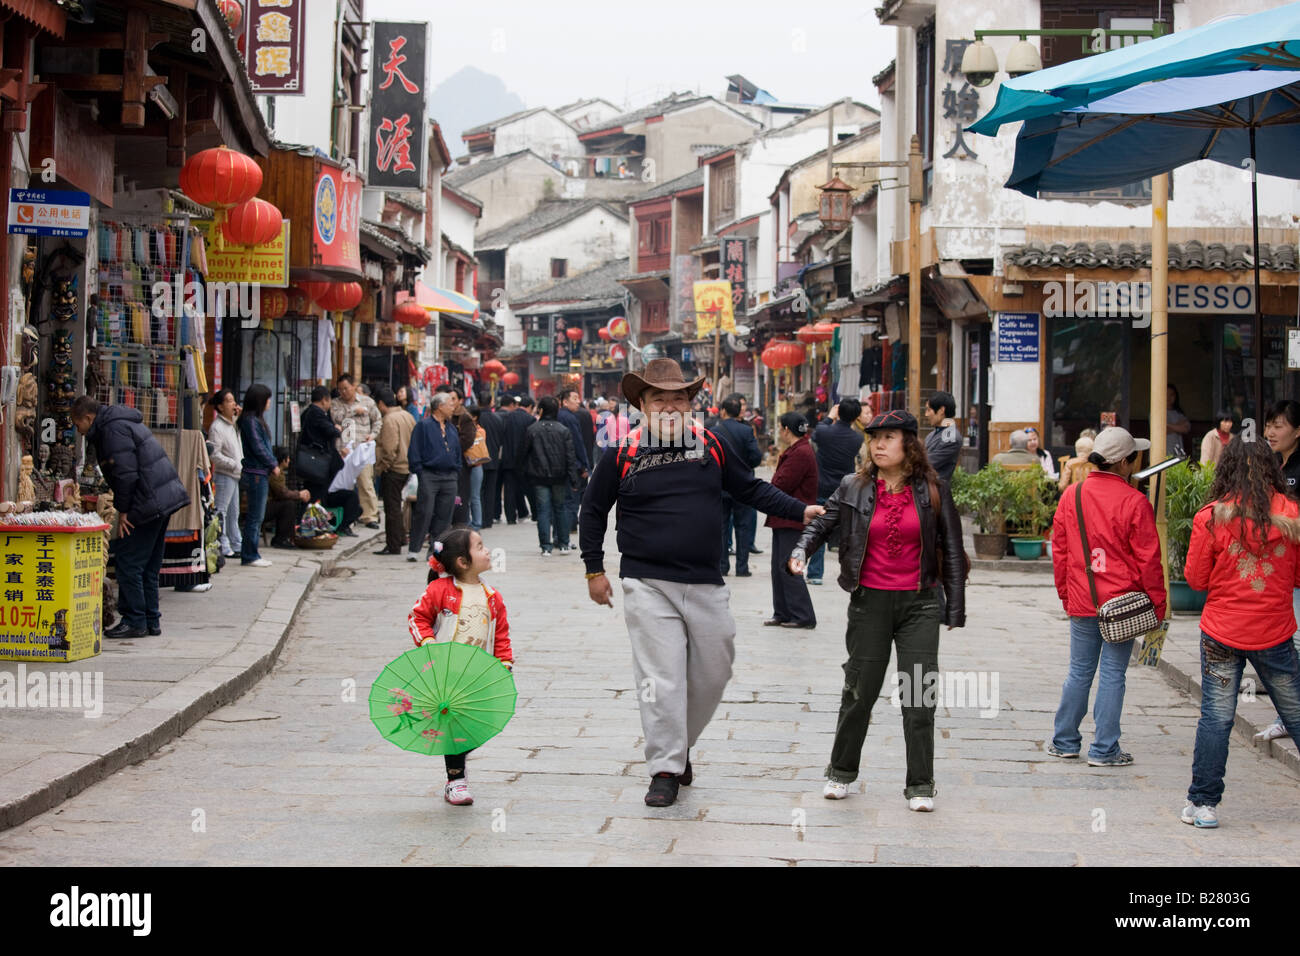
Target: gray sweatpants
x: 683, y: 644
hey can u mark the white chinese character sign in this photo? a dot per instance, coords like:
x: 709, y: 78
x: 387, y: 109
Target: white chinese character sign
x: 273, y: 37
x: 397, y: 105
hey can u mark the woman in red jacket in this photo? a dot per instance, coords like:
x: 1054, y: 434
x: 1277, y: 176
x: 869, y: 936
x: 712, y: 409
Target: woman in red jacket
x: 796, y: 475
x: 1245, y: 551
x: 1124, y: 553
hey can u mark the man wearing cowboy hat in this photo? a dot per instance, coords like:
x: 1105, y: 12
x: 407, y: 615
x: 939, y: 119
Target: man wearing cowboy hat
x: 667, y: 477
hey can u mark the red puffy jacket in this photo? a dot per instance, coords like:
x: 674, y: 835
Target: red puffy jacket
x: 1122, y: 535
x: 1249, y: 601
x: 440, y: 604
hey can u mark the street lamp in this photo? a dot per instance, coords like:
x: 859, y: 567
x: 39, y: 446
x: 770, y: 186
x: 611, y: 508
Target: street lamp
x: 979, y: 64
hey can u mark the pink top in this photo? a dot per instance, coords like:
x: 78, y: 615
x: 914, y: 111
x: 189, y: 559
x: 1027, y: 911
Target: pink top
x: 893, y: 543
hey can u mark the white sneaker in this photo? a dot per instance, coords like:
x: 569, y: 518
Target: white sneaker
x: 259, y: 563
x: 1273, y: 731
x: 835, y: 790
x: 1205, y: 818
x: 921, y: 804
x: 457, y: 793
x: 200, y: 588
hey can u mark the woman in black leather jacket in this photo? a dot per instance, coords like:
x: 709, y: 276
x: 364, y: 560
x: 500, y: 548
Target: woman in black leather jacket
x: 901, y: 558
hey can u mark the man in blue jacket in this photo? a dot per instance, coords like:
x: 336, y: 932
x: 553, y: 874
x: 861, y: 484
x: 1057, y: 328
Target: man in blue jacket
x: 434, y: 457
x: 837, y: 444
x: 146, y: 493
x: 740, y: 441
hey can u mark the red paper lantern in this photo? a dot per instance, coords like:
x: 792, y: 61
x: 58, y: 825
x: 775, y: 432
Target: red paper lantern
x: 220, y: 178
x: 314, y: 291
x: 811, y: 334
x: 826, y: 330
x: 341, y: 296
x: 233, y: 12
x: 494, y: 368
x: 273, y: 304
x: 779, y: 355
x: 604, y: 334
x: 252, y: 223
x: 412, y: 314
x: 574, y: 334
x: 511, y: 379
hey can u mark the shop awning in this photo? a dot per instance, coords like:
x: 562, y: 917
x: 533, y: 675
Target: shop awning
x: 442, y: 300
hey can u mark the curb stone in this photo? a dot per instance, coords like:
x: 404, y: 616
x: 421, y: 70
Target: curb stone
x: 51, y: 778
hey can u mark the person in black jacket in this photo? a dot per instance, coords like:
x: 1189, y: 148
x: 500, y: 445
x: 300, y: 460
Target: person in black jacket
x: 666, y: 478
x: 837, y: 444
x: 146, y: 493
x: 550, y: 464
x: 320, y: 434
x: 901, y: 559
x: 517, y: 420
x: 741, y: 517
x: 571, y: 416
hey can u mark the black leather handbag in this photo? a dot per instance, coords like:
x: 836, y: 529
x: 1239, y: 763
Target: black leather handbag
x: 312, y: 466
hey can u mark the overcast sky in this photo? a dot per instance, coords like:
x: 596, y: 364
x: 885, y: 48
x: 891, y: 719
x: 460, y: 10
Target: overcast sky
x: 811, y: 51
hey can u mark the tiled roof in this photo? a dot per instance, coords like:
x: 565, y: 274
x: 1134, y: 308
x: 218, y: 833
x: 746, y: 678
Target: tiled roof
x: 489, y: 127
x: 668, y: 104
x: 596, y: 288
x: 546, y: 216
x: 1192, y: 254
x: 688, y: 181
x: 461, y: 177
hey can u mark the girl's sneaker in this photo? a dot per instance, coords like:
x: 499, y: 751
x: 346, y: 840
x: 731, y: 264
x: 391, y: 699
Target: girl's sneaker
x: 834, y: 790
x: 457, y: 793
x: 1206, y: 818
x: 920, y: 804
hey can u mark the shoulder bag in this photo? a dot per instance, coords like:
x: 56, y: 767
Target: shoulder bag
x: 478, y: 452
x: 1125, y: 616
x: 312, y: 465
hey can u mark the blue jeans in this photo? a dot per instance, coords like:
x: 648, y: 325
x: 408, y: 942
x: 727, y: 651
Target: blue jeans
x: 1221, y: 666
x: 255, y: 486
x: 817, y: 563
x: 138, y: 558
x: 1086, y: 648
x: 551, y: 510
x: 227, y: 504
x: 476, y: 497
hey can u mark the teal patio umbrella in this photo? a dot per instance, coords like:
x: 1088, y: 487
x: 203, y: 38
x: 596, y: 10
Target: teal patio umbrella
x: 1228, y: 91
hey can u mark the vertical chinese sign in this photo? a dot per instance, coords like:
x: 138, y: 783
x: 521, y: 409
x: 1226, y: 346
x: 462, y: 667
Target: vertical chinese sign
x: 397, y: 105
x: 735, y: 271
x: 273, y: 36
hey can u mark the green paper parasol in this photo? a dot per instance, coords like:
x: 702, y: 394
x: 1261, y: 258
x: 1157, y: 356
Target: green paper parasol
x: 442, y: 698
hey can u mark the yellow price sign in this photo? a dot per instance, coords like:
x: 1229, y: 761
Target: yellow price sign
x: 713, y: 306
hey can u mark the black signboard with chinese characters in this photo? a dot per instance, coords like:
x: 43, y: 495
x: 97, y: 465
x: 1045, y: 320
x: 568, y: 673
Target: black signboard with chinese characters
x: 736, y: 271
x: 273, y: 37
x: 397, y: 101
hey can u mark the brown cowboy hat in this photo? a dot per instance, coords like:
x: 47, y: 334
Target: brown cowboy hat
x: 663, y: 373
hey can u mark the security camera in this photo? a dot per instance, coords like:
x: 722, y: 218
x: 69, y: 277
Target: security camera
x: 979, y: 64
x: 1023, y: 59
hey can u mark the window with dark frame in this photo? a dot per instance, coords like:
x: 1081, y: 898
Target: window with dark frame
x: 559, y: 268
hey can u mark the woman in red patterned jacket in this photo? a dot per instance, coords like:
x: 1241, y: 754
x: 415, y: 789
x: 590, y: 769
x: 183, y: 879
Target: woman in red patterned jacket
x: 1245, y: 551
x: 465, y: 611
x: 796, y: 475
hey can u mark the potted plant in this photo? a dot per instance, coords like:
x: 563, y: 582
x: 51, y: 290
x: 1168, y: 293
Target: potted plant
x: 1031, y: 504
x: 1187, y: 489
x: 983, y: 496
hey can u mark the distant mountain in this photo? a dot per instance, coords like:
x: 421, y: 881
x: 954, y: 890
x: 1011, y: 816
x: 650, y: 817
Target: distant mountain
x: 468, y: 98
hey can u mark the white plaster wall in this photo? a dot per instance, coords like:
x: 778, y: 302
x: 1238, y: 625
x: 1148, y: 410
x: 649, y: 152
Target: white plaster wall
x: 762, y: 276
x: 305, y: 120
x: 669, y: 142
x: 590, y: 240
x: 865, y: 271
x: 592, y: 116
x: 544, y: 133
x: 458, y: 223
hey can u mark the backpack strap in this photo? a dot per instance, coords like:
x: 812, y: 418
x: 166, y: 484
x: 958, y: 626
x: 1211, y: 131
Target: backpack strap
x: 626, y: 452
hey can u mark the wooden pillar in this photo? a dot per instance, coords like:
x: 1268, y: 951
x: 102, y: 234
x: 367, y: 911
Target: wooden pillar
x: 1160, y: 349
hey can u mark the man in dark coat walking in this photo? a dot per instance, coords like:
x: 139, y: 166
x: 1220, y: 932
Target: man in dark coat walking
x: 740, y: 439
x: 550, y: 463
x: 495, y: 432
x: 516, y: 421
x: 146, y: 493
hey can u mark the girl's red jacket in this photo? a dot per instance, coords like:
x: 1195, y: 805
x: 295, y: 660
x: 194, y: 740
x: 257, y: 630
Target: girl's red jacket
x: 1249, y: 601
x: 438, y: 607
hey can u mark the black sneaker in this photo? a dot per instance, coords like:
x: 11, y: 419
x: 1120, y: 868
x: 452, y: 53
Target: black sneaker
x: 687, y: 776
x: 755, y: 551
x: 663, y: 790
x: 155, y: 630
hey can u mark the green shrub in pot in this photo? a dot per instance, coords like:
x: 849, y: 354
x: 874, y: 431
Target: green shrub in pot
x: 1187, y: 490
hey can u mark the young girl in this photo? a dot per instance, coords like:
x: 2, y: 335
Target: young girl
x: 467, y: 611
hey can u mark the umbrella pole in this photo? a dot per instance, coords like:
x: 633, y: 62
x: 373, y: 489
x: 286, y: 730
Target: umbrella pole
x: 1257, y: 343
x: 1160, y: 350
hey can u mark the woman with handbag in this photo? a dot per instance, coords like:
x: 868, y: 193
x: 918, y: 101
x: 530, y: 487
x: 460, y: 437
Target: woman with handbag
x: 901, y: 558
x: 1245, y: 552
x: 1106, y: 556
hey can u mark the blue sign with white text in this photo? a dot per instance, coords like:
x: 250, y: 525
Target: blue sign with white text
x: 1017, y: 337
x: 48, y: 212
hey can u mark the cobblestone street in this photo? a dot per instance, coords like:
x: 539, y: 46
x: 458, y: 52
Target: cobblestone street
x: 295, y: 773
